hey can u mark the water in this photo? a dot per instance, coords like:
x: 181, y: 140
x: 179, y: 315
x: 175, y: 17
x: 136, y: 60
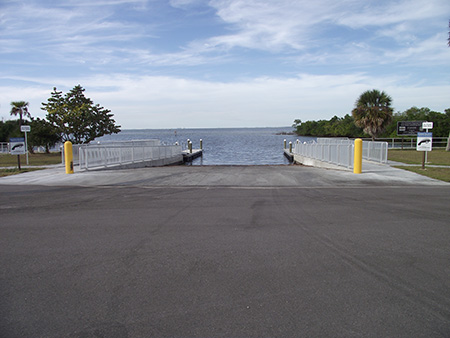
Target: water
x: 222, y: 146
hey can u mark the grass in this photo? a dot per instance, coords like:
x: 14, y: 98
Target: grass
x: 37, y: 159
x: 8, y: 172
x: 435, y: 157
x: 442, y: 174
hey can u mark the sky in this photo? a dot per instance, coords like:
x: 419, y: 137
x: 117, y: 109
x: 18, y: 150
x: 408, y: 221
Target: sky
x: 224, y: 63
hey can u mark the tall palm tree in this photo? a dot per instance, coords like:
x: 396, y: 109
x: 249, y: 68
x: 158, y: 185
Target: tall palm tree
x: 20, y: 108
x: 373, y: 112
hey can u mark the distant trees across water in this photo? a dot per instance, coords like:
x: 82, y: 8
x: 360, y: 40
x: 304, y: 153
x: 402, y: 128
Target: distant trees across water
x: 345, y: 126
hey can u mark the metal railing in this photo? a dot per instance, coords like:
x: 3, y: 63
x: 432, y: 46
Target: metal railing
x: 340, y: 151
x: 4, y: 147
x: 94, y: 156
x: 340, y: 154
x: 375, y: 151
x: 410, y: 142
x: 108, y: 154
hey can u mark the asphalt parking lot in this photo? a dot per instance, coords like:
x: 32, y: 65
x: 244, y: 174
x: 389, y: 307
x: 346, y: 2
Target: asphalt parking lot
x: 246, y: 254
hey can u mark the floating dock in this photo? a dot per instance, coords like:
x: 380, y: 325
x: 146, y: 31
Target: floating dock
x: 189, y: 156
x: 289, y: 155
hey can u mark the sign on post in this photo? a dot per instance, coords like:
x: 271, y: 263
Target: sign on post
x: 409, y: 128
x: 427, y: 125
x: 424, y: 141
x: 25, y: 129
x: 17, y: 146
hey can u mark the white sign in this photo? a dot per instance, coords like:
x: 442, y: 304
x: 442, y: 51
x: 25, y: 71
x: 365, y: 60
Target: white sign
x: 17, y: 146
x: 427, y: 125
x: 25, y: 128
x: 424, y: 141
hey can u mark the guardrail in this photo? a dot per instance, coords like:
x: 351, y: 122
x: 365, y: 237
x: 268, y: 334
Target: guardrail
x: 95, y: 156
x: 340, y: 151
x: 109, y: 154
x: 135, y: 143
x: 4, y: 147
x: 410, y: 142
x: 340, y: 154
x: 375, y: 151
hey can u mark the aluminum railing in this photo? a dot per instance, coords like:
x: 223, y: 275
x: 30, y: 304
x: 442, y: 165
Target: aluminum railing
x: 4, y: 147
x: 375, y: 151
x: 411, y: 142
x: 338, y: 154
x: 94, y: 156
x: 340, y: 151
x: 108, y: 154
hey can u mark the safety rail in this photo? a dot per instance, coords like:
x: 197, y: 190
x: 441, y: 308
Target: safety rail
x: 375, y: 151
x: 4, y: 147
x: 109, y: 154
x: 94, y: 156
x: 340, y: 152
x: 410, y: 142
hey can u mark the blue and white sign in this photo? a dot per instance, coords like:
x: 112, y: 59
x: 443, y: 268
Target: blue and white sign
x: 17, y: 146
x: 424, y: 141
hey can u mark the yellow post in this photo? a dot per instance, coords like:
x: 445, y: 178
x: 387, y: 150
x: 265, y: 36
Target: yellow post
x: 290, y: 147
x: 68, y: 157
x: 357, y: 159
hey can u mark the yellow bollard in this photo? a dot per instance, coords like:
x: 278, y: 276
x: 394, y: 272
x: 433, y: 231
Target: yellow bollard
x: 68, y: 157
x: 290, y: 147
x: 357, y: 159
x: 284, y: 144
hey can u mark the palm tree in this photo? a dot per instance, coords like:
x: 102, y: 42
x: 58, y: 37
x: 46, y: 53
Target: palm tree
x: 20, y: 108
x: 373, y: 112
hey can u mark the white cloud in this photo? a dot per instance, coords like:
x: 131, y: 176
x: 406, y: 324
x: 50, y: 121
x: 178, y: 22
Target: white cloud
x: 146, y: 70
x: 171, y: 102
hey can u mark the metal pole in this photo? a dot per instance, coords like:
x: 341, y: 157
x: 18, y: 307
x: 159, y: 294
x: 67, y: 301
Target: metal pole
x: 26, y: 146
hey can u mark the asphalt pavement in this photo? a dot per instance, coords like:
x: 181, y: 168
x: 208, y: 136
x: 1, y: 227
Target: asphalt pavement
x: 269, y: 251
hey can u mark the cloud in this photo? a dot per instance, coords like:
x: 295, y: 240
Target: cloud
x: 172, y: 102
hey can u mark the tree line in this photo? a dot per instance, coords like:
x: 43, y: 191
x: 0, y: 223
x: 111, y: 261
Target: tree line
x: 345, y: 126
x: 373, y: 117
x: 70, y: 117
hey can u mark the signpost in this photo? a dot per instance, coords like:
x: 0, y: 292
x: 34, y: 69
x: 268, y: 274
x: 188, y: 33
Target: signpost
x: 408, y: 128
x: 25, y: 129
x: 17, y: 147
x: 425, y: 144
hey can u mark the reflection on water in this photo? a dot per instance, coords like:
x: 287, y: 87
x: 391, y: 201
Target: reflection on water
x: 227, y: 146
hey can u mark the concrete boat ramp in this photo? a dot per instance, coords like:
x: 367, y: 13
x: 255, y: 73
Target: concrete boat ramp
x: 239, y: 176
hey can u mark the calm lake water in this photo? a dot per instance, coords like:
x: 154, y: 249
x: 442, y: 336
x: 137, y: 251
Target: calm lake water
x: 222, y: 146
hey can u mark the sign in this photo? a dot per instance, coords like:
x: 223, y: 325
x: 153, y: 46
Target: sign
x: 427, y: 125
x: 424, y: 141
x: 409, y: 127
x: 17, y: 146
x: 25, y: 129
